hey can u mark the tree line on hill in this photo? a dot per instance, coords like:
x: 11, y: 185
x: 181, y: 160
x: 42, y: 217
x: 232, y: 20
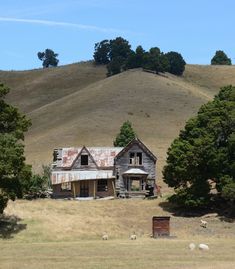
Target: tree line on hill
x: 118, y: 56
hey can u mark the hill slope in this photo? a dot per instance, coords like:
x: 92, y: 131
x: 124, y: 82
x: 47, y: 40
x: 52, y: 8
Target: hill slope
x: 77, y: 105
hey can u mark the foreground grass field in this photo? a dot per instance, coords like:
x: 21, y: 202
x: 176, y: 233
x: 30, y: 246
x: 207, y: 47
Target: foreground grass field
x: 67, y: 234
x: 142, y: 253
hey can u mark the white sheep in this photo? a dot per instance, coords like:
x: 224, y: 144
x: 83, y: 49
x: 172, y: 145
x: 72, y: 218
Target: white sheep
x: 203, y: 223
x: 203, y: 247
x: 192, y: 246
x: 133, y: 236
x: 105, y: 236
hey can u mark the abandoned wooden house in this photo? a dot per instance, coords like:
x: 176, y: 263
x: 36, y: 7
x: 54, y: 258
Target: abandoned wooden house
x: 103, y: 171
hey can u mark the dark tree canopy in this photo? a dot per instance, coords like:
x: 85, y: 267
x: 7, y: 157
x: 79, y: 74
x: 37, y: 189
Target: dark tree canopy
x: 125, y: 136
x: 204, y: 154
x: 220, y: 58
x: 114, y: 53
x: 12, y: 128
x: 115, y: 66
x: 118, y: 56
x: 48, y: 58
x: 119, y: 47
x: 156, y: 60
x: 176, y: 63
x: 102, y: 50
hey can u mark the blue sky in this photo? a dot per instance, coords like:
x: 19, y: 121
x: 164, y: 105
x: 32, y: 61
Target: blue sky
x: 194, y: 28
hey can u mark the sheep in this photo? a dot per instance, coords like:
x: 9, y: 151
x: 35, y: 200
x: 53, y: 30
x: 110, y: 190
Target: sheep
x: 133, y: 236
x: 203, y: 247
x: 105, y: 236
x: 192, y: 246
x: 203, y: 223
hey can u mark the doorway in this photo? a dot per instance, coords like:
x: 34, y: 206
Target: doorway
x: 84, y: 188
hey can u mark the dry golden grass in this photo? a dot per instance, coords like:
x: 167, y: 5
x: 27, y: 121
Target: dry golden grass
x: 77, y: 105
x: 67, y: 234
x: 142, y: 253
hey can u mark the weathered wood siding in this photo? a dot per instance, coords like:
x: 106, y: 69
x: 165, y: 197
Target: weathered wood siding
x: 75, y: 189
x: 58, y: 193
x: 161, y: 226
x: 122, y: 165
x: 91, y: 164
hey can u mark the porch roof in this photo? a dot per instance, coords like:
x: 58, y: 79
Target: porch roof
x: 135, y: 171
x: 59, y: 177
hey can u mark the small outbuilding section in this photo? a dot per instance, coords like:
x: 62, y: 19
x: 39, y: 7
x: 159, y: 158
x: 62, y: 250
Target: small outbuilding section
x: 161, y: 226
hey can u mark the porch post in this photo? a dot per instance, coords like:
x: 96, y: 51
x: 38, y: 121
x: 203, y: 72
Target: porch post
x: 94, y: 190
x: 74, y: 190
x: 114, y: 191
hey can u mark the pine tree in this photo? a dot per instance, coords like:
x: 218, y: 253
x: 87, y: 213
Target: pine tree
x: 125, y: 136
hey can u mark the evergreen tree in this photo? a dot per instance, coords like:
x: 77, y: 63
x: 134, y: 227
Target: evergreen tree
x: 220, y: 58
x: 135, y: 59
x: 176, y: 63
x: 125, y: 136
x: 204, y: 152
x: 102, y: 50
x: 156, y: 60
x: 48, y: 58
x: 12, y: 160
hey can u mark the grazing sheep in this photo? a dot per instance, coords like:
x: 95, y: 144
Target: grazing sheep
x: 133, y: 236
x: 203, y: 247
x: 203, y: 223
x: 192, y: 246
x: 105, y: 236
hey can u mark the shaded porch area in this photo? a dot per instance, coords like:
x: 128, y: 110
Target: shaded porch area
x: 135, y: 182
x: 73, y: 184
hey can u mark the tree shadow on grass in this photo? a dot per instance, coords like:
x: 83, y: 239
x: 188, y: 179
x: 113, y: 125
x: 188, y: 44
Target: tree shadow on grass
x: 182, y: 212
x: 9, y: 226
x: 222, y: 212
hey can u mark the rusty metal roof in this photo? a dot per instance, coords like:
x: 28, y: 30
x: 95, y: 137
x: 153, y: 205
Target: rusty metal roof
x: 59, y: 177
x: 103, y: 156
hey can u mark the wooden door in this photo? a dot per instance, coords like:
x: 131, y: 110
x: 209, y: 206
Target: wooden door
x: 84, y: 188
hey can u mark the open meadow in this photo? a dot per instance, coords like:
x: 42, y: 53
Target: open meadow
x: 67, y: 234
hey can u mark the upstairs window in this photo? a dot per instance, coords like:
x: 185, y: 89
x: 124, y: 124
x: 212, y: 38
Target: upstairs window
x: 139, y: 158
x: 84, y: 159
x: 132, y: 158
x: 135, y: 158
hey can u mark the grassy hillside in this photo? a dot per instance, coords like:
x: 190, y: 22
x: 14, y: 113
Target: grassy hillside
x: 77, y: 105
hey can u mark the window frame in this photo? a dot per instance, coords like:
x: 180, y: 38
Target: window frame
x: 102, y: 185
x: 66, y: 186
x: 82, y: 160
x: 134, y: 159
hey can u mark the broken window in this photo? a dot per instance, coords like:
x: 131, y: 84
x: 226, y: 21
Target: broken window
x: 84, y: 159
x: 66, y: 186
x: 132, y: 158
x: 139, y: 158
x: 102, y: 185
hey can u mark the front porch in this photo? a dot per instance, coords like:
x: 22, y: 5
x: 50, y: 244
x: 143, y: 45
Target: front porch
x: 135, y: 182
x: 96, y: 188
